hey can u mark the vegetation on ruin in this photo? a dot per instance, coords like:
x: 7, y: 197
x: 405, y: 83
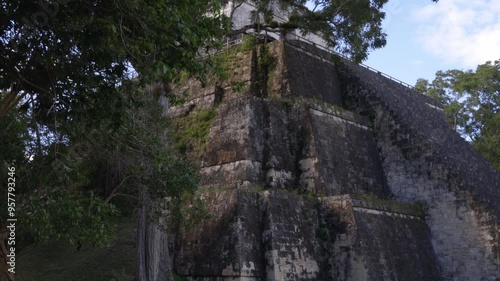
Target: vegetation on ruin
x: 190, y: 132
x: 262, y: 65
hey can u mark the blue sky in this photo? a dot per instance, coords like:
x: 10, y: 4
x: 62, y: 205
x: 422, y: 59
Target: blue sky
x: 424, y: 37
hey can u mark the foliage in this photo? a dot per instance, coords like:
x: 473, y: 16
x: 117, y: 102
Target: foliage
x: 75, y: 218
x: 350, y: 27
x: 249, y: 42
x: 238, y: 86
x: 82, y: 135
x: 471, y: 102
x: 266, y: 60
x: 72, y: 191
x: 193, y: 212
x: 138, y: 155
x: 67, y: 53
x: 13, y: 135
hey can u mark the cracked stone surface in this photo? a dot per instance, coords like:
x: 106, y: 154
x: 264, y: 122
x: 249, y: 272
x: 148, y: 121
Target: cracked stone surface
x: 338, y: 173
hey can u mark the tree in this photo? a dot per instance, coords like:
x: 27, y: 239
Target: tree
x: 66, y: 98
x: 64, y: 51
x: 349, y: 27
x: 471, y: 102
x: 352, y: 28
x: 74, y: 191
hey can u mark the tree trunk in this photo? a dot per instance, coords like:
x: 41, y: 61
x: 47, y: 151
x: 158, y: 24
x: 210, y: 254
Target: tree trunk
x: 153, y: 257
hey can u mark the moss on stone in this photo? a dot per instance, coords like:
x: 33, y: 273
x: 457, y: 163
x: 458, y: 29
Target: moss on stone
x: 414, y: 209
x: 177, y: 277
x: 238, y: 86
x: 339, y: 109
x: 322, y: 234
x: 262, y: 64
x: 249, y: 42
x: 190, y: 133
x: 259, y: 188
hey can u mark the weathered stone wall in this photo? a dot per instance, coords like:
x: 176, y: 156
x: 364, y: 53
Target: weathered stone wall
x: 426, y: 161
x: 347, y: 156
x: 296, y: 137
x: 275, y: 235
x: 226, y: 246
x: 377, y: 240
x: 291, y: 251
x: 311, y: 77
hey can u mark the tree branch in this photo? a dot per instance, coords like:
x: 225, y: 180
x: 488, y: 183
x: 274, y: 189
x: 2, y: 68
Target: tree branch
x: 113, y: 193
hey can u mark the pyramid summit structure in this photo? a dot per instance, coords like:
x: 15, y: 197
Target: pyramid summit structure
x: 242, y: 18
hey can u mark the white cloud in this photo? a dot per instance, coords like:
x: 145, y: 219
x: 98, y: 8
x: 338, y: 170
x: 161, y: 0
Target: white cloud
x: 465, y: 32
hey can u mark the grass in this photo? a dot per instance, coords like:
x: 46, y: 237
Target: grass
x: 56, y: 261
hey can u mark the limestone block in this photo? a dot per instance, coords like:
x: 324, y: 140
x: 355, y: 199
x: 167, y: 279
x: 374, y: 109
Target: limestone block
x: 348, y: 159
x: 226, y: 246
x: 377, y: 241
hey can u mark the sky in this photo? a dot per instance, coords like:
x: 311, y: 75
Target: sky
x: 424, y: 37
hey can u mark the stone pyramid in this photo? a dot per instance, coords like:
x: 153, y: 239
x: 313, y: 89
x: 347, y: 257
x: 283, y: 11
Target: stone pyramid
x: 315, y: 168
